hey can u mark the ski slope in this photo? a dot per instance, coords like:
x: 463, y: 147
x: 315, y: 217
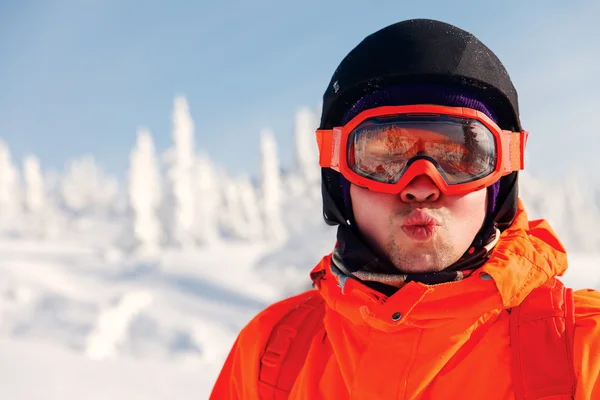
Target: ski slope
x: 79, y: 323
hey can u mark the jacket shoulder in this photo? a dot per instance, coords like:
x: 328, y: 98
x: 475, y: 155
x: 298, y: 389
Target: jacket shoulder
x: 276, y: 311
x: 239, y: 377
x: 256, y: 333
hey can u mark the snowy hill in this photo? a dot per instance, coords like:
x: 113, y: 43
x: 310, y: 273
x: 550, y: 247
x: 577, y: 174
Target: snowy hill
x: 93, y: 319
x: 137, y: 289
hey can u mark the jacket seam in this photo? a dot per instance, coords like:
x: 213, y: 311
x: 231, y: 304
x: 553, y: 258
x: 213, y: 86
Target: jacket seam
x: 410, y: 367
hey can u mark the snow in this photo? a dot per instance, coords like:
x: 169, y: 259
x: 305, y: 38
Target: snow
x: 145, y: 192
x: 8, y: 182
x: 41, y: 371
x: 253, y: 224
x: 180, y: 175
x: 207, y: 202
x: 307, y: 152
x: 271, y: 187
x: 112, y: 324
x: 34, y: 184
x: 86, y: 188
x: 87, y: 311
x: 99, y: 326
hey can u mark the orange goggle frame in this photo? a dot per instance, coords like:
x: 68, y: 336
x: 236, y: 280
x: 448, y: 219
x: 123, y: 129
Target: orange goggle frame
x: 509, y: 147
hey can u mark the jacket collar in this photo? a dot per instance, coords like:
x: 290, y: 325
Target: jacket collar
x: 527, y: 255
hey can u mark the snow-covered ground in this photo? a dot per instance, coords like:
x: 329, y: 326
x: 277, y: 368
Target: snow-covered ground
x: 77, y: 322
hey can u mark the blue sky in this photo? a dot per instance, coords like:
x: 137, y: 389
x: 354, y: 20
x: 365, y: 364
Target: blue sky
x: 79, y: 77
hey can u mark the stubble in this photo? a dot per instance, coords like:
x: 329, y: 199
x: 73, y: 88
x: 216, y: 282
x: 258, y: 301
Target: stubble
x: 419, y: 257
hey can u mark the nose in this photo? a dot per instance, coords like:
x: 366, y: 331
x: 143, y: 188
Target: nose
x: 419, y: 190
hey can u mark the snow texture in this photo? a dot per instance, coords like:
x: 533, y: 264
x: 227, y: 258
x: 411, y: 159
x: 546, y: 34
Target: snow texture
x: 112, y: 324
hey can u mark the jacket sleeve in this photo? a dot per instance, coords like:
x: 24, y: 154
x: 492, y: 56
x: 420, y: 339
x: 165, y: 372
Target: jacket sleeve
x: 586, y: 351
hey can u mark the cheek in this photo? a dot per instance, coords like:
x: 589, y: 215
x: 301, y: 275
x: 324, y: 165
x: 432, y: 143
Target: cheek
x: 370, y: 208
x: 471, y: 209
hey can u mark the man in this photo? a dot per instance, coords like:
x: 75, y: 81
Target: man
x: 439, y: 287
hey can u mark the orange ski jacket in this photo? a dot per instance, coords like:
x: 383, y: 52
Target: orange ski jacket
x: 444, y: 341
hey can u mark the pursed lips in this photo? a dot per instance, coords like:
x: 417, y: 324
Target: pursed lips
x: 420, y: 218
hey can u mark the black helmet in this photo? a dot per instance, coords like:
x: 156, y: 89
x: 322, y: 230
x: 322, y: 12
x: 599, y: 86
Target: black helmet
x: 415, y: 51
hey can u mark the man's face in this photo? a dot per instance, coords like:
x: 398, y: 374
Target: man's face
x: 420, y: 229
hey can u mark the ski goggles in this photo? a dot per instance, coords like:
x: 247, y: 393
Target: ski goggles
x: 385, y: 148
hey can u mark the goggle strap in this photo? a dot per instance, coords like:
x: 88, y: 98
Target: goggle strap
x: 514, y: 149
x: 328, y: 141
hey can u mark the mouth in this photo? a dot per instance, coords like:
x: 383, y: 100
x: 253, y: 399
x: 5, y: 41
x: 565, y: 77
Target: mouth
x: 420, y: 226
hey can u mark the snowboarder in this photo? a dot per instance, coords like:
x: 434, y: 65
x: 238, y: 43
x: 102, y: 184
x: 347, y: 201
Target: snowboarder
x: 439, y: 286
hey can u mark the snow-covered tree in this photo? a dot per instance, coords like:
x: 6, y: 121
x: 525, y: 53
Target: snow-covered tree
x: 232, y: 216
x: 207, y: 201
x: 180, y: 172
x: 144, y: 190
x: 86, y: 189
x: 250, y: 210
x: 271, y: 187
x: 35, y: 192
x: 307, y: 153
x: 9, y: 183
x: 48, y: 220
x: 582, y: 225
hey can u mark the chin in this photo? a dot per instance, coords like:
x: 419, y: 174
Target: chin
x: 419, y: 265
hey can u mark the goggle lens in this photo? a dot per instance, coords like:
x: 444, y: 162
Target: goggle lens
x: 383, y: 148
